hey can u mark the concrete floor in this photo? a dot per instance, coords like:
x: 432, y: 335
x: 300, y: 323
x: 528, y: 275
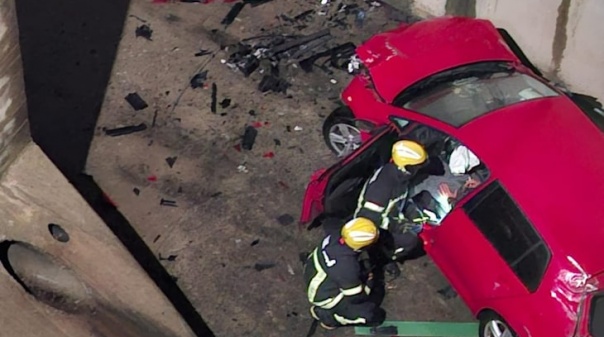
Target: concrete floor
x: 221, y: 210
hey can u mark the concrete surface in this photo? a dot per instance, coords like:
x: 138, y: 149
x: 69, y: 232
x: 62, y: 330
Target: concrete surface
x: 559, y: 36
x: 222, y: 211
x: 33, y: 193
x: 14, y: 129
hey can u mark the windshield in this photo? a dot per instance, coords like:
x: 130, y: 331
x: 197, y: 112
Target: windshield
x: 473, y: 91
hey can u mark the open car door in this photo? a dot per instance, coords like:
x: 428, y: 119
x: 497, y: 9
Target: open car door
x: 335, y: 191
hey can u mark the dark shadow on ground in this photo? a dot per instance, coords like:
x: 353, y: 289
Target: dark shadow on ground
x: 68, y: 49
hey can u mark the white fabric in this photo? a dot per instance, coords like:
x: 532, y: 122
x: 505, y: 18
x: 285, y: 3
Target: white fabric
x: 462, y: 160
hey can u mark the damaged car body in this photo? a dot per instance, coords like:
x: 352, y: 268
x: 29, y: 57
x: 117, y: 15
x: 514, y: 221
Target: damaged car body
x: 521, y: 248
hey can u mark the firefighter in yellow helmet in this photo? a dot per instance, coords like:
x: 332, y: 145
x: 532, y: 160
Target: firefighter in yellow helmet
x: 336, y: 288
x: 383, y: 200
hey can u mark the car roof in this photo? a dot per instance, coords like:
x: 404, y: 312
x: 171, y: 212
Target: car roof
x: 402, y: 56
x: 548, y: 155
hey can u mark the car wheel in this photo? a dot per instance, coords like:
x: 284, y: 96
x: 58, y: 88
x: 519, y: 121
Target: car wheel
x: 340, y: 133
x: 493, y: 325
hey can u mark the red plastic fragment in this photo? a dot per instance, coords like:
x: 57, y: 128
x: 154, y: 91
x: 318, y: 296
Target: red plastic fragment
x: 257, y: 124
x: 152, y: 178
x: 237, y: 147
x: 282, y: 184
x: 269, y: 154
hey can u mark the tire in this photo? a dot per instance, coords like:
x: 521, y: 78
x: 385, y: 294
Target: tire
x: 340, y: 124
x: 487, y: 319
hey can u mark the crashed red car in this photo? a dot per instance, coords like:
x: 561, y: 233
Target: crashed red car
x: 522, y: 249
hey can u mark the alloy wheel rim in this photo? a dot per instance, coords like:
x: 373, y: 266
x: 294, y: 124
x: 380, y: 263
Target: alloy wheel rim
x: 344, y: 138
x: 497, y: 328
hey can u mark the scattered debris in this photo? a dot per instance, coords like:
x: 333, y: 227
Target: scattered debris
x: 154, y: 118
x: 288, y: 128
x: 273, y: 83
x: 166, y: 202
x: 260, y: 266
x: 137, y: 17
x: 144, y: 31
x: 136, y: 191
x: 136, y: 101
x: 232, y: 14
x: 199, y: 79
x: 338, y: 57
x: 360, y: 18
x: 172, y: 18
x: 171, y: 161
x: 447, y: 292
x: 277, y: 142
x: 216, y: 195
x: 156, y: 238
x: 255, y: 242
x: 252, y: 113
x: 249, y: 137
x: 285, y: 219
x: 225, y: 103
x: 290, y: 270
x: 170, y: 258
x: 333, y: 81
x: 269, y: 154
x: 152, y: 178
x: 125, y: 130
x: 242, y: 169
x: 282, y: 184
x: 214, y: 93
x: 297, y: 128
x: 203, y: 52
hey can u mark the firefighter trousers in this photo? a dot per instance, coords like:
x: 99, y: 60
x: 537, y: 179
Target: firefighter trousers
x: 349, y: 313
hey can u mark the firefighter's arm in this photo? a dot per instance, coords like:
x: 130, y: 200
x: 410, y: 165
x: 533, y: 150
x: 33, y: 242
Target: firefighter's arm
x: 377, y: 195
x: 350, y: 282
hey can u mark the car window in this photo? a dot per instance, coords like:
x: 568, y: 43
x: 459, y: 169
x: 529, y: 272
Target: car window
x: 508, y: 230
x: 591, y: 107
x: 459, y: 95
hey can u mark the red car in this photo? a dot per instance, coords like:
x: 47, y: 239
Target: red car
x: 521, y: 248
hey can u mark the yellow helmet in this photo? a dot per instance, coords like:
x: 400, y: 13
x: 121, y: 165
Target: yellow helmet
x: 407, y: 152
x: 359, y: 233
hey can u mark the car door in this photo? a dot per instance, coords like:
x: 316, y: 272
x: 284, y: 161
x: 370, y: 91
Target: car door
x: 334, y: 191
x: 481, y: 247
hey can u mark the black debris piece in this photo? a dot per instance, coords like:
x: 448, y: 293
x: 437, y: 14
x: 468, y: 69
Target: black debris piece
x: 304, y: 15
x: 255, y: 242
x: 223, y: 114
x: 169, y: 258
x: 252, y: 112
x: 255, y: 3
x: 154, y: 118
x: 277, y: 142
x: 225, y: 103
x: 214, y: 93
x: 125, y: 130
x: 338, y: 56
x: 136, y: 191
x: 144, y: 31
x: 136, y: 101
x: 199, y: 79
x: 447, y: 292
x: 272, y: 83
x: 179, y: 189
x: 216, y: 195
x: 166, y: 202
x: 137, y: 17
x: 232, y: 14
x: 285, y: 219
x: 297, y: 42
x: 248, y: 64
x: 249, y: 137
x: 156, y: 238
x: 172, y: 18
x: 171, y: 161
x: 260, y: 266
x: 203, y: 52
x: 288, y: 128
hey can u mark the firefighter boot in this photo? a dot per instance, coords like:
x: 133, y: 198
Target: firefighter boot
x: 318, y: 313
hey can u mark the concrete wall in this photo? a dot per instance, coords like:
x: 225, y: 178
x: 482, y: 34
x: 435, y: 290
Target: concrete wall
x: 116, y: 298
x: 561, y: 37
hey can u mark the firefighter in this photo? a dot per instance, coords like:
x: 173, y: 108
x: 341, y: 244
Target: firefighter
x: 383, y: 200
x: 338, y: 287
